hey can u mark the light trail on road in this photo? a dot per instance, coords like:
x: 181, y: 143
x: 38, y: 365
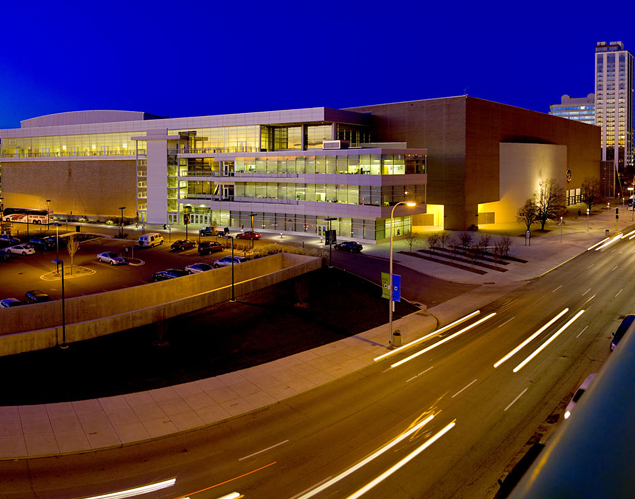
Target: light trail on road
x: 445, y: 340
x: 531, y: 338
x: 402, y: 463
x: 544, y: 345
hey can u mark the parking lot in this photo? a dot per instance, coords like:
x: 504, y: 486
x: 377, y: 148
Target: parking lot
x: 20, y: 274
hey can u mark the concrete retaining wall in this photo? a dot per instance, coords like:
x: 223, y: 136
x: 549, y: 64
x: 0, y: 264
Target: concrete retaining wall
x: 39, y: 326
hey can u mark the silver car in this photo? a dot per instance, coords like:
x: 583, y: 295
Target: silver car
x: 111, y: 258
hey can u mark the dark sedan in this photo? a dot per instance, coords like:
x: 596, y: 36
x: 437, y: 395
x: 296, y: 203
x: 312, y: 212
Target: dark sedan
x: 165, y: 275
x: 182, y: 244
x: 350, y: 246
x: 207, y: 247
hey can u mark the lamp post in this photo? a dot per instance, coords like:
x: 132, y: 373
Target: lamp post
x: 390, y: 302
x: 63, y: 346
x: 252, y: 215
x: 588, y: 223
x: 329, y: 220
x: 233, y: 298
x: 560, y: 229
x: 48, y: 215
x: 57, y: 239
x: 121, y: 224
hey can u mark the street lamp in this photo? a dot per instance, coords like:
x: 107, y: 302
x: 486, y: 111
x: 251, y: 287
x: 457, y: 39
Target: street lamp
x: 410, y: 204
x: 121, y: 224
x: 48, y: 215
x: 329, y: 219
x: 233, y: 299
x: 252, y: 215
x: 63, y: 346
x: 560, y: 229
x: 57, y: 238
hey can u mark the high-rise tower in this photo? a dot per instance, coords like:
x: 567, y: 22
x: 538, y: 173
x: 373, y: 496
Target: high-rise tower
x: 614, y: 107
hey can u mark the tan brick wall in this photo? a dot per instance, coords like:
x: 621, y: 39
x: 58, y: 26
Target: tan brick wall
x: 89, y: 188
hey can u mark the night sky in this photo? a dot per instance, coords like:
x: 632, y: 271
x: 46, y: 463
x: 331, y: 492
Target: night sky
x: 203, y: 58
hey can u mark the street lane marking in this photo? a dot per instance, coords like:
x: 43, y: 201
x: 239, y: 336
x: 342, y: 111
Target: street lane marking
x: 401, y: 463
x: 263, y: 450
x: 544, y: 345
x: 522, y: 345
x: 557, y: 289
x: 377, y: 453
x: 618, y: 293
x: 585, y: 327
x: 433, y: 333
x: 586, y: 291
x: 445, y: 340
x: 508, y: 320
x: 415, y: 377
x: 464, y: 388
x: 514, y: 401
x: 614, y: 268
x: 592, y: 265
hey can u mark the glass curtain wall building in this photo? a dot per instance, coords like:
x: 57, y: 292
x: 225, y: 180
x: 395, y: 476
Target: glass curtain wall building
x: 288, y: 170
x: 614, y: 86
x: 575, y: 108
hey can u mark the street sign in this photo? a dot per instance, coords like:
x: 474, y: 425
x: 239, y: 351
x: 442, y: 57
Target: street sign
x: 396, y: 286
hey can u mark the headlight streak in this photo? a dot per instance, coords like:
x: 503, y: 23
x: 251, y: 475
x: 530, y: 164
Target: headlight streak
x: 402, y: 463
x: 544, y: 345
x: 629, y: 234
x: 611, y: 241
x: 597, y: 244
x: 433, y: 333
x: 365, y: 461
x: 137, y: 491
x: 445, y: 340
x: 532, y: 337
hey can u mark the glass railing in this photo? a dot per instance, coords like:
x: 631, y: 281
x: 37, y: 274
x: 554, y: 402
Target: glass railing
x: 66, y: 154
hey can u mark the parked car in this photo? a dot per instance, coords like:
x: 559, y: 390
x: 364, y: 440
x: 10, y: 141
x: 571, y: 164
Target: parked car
x: 579, y: 392
x: 207, y: 247
x: 44, y: 243
x: 350, y: 246
x: 197, y: 268
x: 21, y: 249
x: 111, y: 258
x: 207, y: 231
x: 182, y: 244
x: 248, y: 235
x: 164, y: 275
x: 623, y: 327
x: 9, y: 240
x: 227, y: 261
x: 4, y: 255
x: 36, y: 296
x: 10, y: 302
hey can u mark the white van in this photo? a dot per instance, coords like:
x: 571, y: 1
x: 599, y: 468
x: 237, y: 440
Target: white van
x: 151, y: 239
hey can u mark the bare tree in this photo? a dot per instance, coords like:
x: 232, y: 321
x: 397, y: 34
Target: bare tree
x: 528, y: 213
x: 465, y: 238
x: 484, y: 242
x: 72, y: 247
x: 550, y: 202
x: 433, y: 242
x: 591, y: 191
x: 412, y: 238
x: 505, y: 243
x: 445, y: 238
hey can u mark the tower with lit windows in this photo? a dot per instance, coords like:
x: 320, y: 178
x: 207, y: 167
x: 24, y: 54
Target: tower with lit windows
x: 614, y: 109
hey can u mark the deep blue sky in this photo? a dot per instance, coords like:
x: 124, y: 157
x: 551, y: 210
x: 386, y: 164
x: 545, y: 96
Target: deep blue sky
x: 204, y: 58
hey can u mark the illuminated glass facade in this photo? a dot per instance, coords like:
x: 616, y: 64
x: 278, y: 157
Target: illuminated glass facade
x: 614, y: 87
x: 291, y: 169
x: 576, y: 109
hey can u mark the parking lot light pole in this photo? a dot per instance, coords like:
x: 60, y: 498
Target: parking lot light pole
x: 48, y: 215
x: 233, y: 298
x: 329, y: 220
x: 121, y: 224
x: 63, y: 346
x: 57, y: 240
x: 252, y: 215
x: 390, y: 302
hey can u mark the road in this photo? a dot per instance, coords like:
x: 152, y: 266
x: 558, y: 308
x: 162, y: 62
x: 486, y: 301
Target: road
x: 315, y: 439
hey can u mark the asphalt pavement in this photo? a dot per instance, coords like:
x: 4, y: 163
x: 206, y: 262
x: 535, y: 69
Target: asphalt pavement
x: 110, y: 422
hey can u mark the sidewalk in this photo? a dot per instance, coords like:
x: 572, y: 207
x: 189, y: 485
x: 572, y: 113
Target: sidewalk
x: 71, y: 427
